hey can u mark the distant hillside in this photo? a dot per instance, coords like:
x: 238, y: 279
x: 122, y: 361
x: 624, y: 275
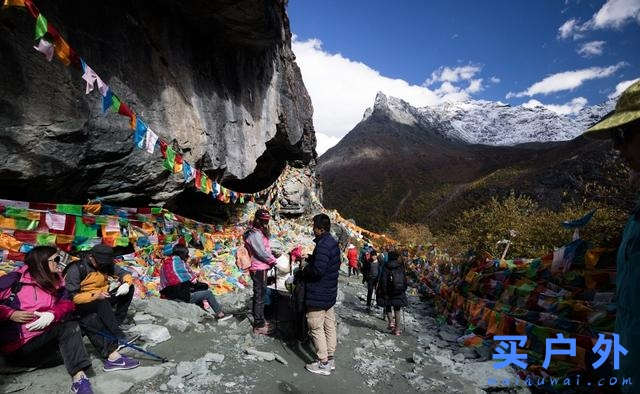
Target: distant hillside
x: 392, y: 168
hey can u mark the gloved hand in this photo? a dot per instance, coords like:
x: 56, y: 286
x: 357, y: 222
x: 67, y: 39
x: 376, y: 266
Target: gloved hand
x: 123, y: 289
x: 44, y: 319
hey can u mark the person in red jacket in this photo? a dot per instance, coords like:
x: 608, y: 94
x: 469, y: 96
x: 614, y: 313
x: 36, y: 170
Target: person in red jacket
x: 352, y: 256
x: 34, y: 329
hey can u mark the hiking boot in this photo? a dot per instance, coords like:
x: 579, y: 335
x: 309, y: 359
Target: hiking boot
x: 123, y: 362
x: 332, y: 363
x: 391, y: 327
x: 319, y: 368
x: 82, y: 386
x: 397, y: 332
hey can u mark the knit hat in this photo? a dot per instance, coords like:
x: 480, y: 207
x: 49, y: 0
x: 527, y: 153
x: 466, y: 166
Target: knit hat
x: 103, y: 254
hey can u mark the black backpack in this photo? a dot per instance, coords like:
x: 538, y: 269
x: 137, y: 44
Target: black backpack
x: 396, y: 281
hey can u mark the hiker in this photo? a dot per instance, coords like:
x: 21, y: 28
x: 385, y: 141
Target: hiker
x: 321, y: 290
x: 256, y: 240
x: 371, y: 273
x: 352, y: 256
x: 179, y: 282
x: 88, y: 282
x: 365, y: 262
x: 35, y: 330
x: 391, y: 291
x: 623, y: 127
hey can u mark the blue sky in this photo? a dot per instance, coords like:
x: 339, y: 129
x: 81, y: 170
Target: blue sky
x: 557, y: 53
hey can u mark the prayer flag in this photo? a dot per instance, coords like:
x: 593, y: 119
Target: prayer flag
x: 46, y: 239
x: 63, y: 50
x: 177, y: 167
x: 124, y: 110
x: 71, y: 209
x: 106, y: 100
x: 133, y: 119
x: 46, y: 48
x: 56, y: 221
x: 163, y: 148
x: 203, y: 183
x: 83, y: 230
x: 41, y: 26
x: 170, y: 158
x: 139, y: 135
x: 33, y: 10
x: 115, y: 104
x: 187, y: 171
x: 208, y: 186
x: 13, y: 3
x: 92, y: 208
x: 151, y: 139
x: 102, y: 87
x: 89, y: 76
x: 198, y: 178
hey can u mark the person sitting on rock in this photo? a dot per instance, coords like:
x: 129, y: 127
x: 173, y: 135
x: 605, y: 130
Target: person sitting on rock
x: 88, y: 282
x: 35, y: 330
x: 179, y: 282
x: 256, y: 240
x: 391, y: 290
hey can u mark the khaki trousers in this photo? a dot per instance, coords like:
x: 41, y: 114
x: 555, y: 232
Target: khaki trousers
x: 322, y: 329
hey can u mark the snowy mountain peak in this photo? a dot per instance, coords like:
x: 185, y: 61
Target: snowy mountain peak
x: 490, y: 122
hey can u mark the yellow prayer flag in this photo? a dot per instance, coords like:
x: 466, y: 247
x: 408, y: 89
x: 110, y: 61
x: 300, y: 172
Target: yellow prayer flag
x: 62, y: 50
x: 93, y: 208
x: 7, y: 223
x: 13, y: 3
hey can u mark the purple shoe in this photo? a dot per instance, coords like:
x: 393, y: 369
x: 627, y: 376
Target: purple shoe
x: 123, y: 362
x: 82, y: 386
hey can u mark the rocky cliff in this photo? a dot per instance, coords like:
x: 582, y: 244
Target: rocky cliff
x: 217, y: 78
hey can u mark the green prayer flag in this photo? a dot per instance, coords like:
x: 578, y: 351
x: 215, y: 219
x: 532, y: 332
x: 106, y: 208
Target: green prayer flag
x: 17, y: 213
x: 45, y: 239
x: 203, y: 183
x: 85, y: 230
x: 170, y: 160
x: 115, y: 104
x: 70, y: 209
x: 26, y: 224
x: 156, y: 210
x: 41, y: 26
x: 102, y: 220
x: 122, y: 241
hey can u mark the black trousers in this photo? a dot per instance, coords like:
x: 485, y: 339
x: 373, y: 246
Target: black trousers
x: 104, y: 316
x: 371, y: 286
x: 60, y: 344
x: 259, y: 290
x: 352, y: 270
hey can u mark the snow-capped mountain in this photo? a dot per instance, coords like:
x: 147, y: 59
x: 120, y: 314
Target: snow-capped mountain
x: 490, y: 122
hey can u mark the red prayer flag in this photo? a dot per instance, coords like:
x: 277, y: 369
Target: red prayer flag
x: 124, y: 110
x: 198, y: 181
x: 33, y: 10
x: 163, y: 148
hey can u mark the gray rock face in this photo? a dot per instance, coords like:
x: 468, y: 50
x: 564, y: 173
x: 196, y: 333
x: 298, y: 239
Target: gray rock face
x: 167, y: 309
x: 216, y: 79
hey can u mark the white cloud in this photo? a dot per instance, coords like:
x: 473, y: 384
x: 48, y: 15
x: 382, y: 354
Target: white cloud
x: 495, y: 79
x: 475, y: 85
x: 621, y: 87
x: 615, y: 13
x: 591, y: 48
x: 341, y: 89
x: 325, y: 142
x: 567, y: 80
x: 570, y: 28
x: 456, y: 74
x: 572, y: 107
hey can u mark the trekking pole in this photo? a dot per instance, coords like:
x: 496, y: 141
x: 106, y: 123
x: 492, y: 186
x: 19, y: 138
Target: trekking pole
x: 124, y: 343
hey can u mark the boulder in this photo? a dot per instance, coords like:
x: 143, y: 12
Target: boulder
x: 167, y: 309
x: 235, y: 302
x: 151, y: 332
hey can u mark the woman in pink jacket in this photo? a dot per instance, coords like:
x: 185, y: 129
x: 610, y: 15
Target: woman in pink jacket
x: 34, y: 331
x: 256, y: 240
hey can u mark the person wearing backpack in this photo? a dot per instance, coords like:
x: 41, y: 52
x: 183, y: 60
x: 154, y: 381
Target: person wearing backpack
x: 178, y: 282
x: 391, y: 292
x: 352, y: 258
x: 100, y: 311
x: 256, y: 241
x: 35, y: 329
x: 371, y: 274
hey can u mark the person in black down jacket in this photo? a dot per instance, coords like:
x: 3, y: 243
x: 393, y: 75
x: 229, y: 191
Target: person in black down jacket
x: 321, y: 290
x: 391, y: 291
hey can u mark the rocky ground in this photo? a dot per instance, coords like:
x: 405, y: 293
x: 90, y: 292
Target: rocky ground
x: 206, y: 356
